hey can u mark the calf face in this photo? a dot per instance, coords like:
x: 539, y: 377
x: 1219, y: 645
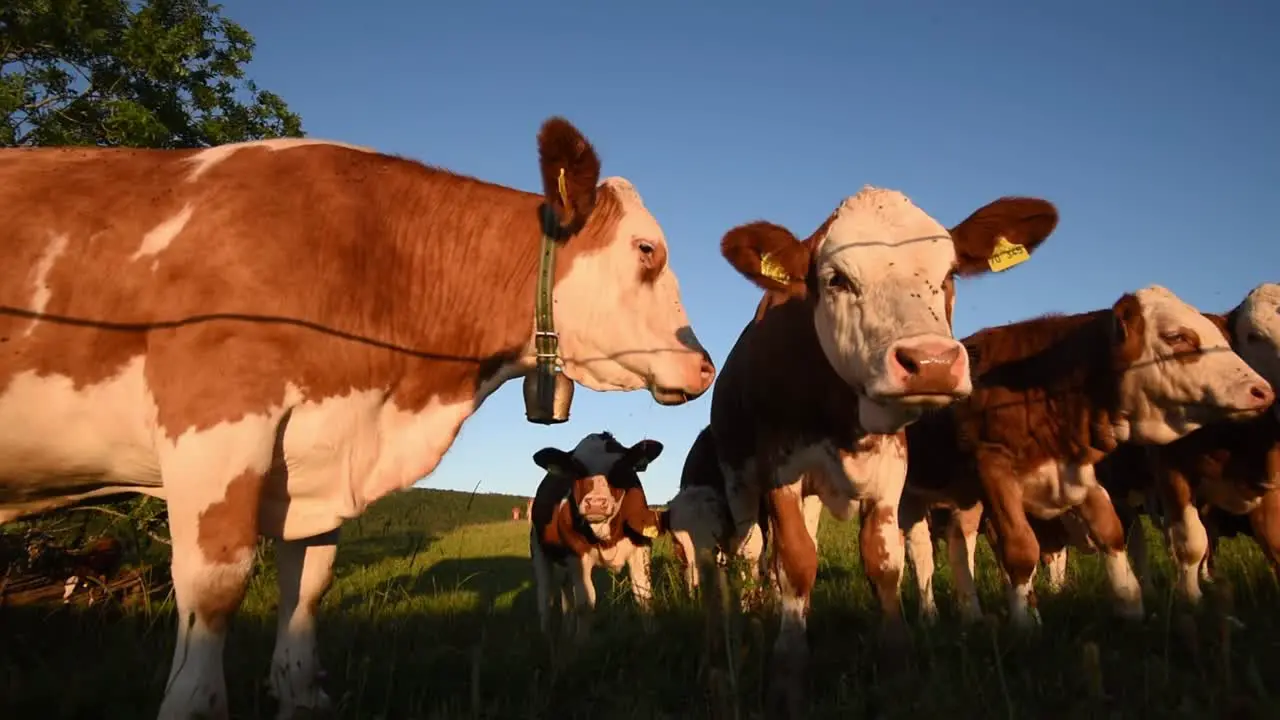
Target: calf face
x: 603, y: 493
x: 618, y: 311
x: 1256, y: 331
x: 880, y: 276
x: 1177, y: 371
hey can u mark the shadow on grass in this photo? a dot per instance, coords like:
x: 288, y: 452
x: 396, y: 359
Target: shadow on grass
x: 416, y: 655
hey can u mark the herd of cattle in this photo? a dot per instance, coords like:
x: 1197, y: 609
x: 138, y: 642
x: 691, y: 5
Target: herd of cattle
x: 271, y: 335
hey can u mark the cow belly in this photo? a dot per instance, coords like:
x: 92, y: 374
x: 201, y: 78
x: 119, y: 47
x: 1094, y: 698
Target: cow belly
x: 342, y: 453
x: 1056, y: 488
x: 1230, y: 496
x: 59, y: 441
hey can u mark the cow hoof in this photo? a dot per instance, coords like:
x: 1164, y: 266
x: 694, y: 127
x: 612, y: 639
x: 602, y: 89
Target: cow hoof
x: 788, y: 674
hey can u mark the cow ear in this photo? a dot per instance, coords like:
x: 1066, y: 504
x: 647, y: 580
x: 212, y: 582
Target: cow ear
x: 642, y: 453
x: 767, y: 255
x: 1128, y: 329
x: 1002, y: 234
x: 570, y: 172
x: 555, y: 460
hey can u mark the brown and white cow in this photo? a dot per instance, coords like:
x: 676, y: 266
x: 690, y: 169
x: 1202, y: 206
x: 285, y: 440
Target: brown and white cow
x: 1221, y: 479
x: 852, y: 339
x: 591, y: 511
x: 271, y: 335
x: 1052, y: 397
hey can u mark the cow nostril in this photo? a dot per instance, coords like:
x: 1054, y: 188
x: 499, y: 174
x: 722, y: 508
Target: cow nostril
x: 1259, y: 393
x: 907, y: 362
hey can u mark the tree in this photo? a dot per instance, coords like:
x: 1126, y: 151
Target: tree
x: 140, y: 73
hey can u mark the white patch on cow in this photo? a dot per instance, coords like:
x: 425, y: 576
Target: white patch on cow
x: 877, y: 471
x: 65, y: 440
x: 1021, y: 614
x: 202, y: 161
x: 159, y: 237
x: 43, y: 291
x: 345, y: 452
x: 1165, y: 399
x: 897, y: 257
x: 1055, y: 488
x: 1189, y: 542
x: 1257, y: 332
x: 618, y: 332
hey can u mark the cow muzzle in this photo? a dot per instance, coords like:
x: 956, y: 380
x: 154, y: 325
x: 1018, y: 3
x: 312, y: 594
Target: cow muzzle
x: 596, y: 509
x: 925, y: 371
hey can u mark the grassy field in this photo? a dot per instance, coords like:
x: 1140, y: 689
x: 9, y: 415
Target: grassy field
x: 432, y: 616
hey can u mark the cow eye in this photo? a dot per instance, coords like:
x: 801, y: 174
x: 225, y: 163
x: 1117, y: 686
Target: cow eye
x: 646, y: 248
x: 839, y: 282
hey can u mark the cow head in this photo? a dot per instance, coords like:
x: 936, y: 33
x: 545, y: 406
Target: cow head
x: 880, y: 275
x: 617, y: 303
x: 606, y: 485
x: 1255, y: 332
x: 1176, y: 371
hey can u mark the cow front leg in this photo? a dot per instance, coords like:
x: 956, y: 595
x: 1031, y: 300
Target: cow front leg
x: 1055, y: 563
x: 213, y: 485
x: 638, y: 567
x: 795, y: 561
x: 1099, y: 514
x: 1188, y: 540
x: 1017, y: 546
x: 962, y: 548
x: 584, y: 596
x: 883, y: 553
x: 1265, y: 521
x: 913, y: 516
x: 305, y: 569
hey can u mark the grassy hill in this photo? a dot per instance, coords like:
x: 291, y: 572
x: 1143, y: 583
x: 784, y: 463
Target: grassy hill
x: 432, y: 616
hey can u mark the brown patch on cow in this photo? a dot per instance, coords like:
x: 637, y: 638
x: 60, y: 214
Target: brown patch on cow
x: 794, y: 547
x: 1099, y: 515
x: 230, y: 526
x: 438, y: 300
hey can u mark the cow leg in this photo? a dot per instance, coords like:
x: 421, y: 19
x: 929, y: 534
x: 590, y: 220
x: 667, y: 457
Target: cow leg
x: 795, y: 560
x: 638, y: 569
x: 1100, y: 516
x: 1265, y: 521
x: 962, y: 547
x: 1213, y: 536
x: 1018, y: 548
x: 543, y: 583
x: 305, y: 570
x: 213, y: 483
x: 913, y: 517
x: 1056, y: 563
x: 1188, y: 540
x: 584, y: 596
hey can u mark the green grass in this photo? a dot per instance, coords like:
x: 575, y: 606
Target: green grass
x: 432, y: 616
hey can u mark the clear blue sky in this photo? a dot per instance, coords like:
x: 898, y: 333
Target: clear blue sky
x: 1152, y: 125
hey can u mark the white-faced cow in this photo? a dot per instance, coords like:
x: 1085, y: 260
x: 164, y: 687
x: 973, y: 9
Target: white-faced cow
x: 591, y: 511
x: 1052, y: 397
x: 1221, y: 479
x: 271, y: 335
x: 851, y: 343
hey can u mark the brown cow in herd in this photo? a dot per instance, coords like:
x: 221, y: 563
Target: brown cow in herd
x: 591, y: 511
x: 1052, y: 397
x: 1221, y: 479
x: 851, y: 342
x: 272, y: 335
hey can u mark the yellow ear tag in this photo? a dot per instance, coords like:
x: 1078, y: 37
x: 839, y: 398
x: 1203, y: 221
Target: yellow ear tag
x: 650, y: 532
x: 771, y: 269
x: 564, y: 192
x: 1006, y: 255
